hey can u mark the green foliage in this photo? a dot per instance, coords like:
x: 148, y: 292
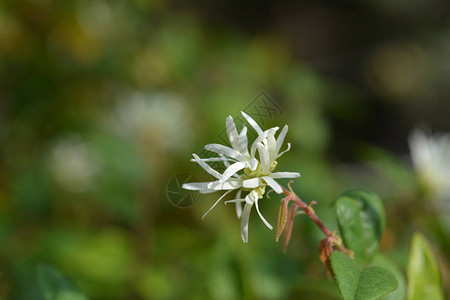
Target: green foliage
x: 361, y: 283
x: 361, y: 220
x: 102, y: 102
x: 385, y: 263
x: 55, y: 287
x: 424, y: 277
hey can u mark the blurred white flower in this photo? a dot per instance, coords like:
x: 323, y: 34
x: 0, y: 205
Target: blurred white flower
x: 257, y: 173
x: 159, y: 120
x: 72, y: 164
x: 431, y: 158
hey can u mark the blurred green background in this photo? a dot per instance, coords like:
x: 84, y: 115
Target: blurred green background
x: 102, y: 103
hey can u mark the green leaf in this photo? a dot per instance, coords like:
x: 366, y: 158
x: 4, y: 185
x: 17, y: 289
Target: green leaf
x: 424, y: 276
x: 361, y: 220
x: 347, y: 273
x: 386, y: 263
x: 357, y: 283
x: 55, y: 287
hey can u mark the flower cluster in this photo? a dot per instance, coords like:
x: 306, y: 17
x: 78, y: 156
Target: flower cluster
x: 247, y: 169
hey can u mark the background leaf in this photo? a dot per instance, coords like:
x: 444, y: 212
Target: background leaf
x: 424, y: 277
x: 365, y: 283
x: 55, y: 287
x: 361, y: 220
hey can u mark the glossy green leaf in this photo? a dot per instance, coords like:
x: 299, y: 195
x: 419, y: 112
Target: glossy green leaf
x: 424, y: 277
x: 361, y: 220
x: 357, y: 283
x: 55, y: 287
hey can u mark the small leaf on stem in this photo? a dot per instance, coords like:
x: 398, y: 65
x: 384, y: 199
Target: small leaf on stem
x: 290, y: 224
x: 325, y: 250
x: 361, y: 220
x: 282, y: 216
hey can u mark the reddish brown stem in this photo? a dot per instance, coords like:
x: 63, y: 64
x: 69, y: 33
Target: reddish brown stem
x: 309, y: 211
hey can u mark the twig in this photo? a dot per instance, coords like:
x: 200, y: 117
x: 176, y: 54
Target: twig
x: 309, y: 211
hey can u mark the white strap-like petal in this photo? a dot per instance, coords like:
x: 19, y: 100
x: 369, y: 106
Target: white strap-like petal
x: 288, y: 148
x: 281, y: 136
x: 231, y: 170
x: 251, y: 183
x: 271, y: 144
x: 224, y: 150
x: 243, y: 141
x: 196, y: 186
x: 230, y: 184
x: 273, y: 184
x: 252, y: 123
x: 285, y: 175
x: 251, y: 197
x: 207, y: 191
x: 209, y: 187
x: 257, y: 141
x: 237, y: 201
x: 222, y: 158
x: 264, y: 158
x: 261, y: 216
x: 244, y: 221
x: 253, y: 164
x: 232, y: 133
x: 226, y: 193
x: 206, y: 167
x: 225, y: 160
x: 238, y: 204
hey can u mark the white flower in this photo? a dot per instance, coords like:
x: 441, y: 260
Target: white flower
x: 137, y: 114
x: 431, y: 158
x: 256, y: 173
x: 73, y: 163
